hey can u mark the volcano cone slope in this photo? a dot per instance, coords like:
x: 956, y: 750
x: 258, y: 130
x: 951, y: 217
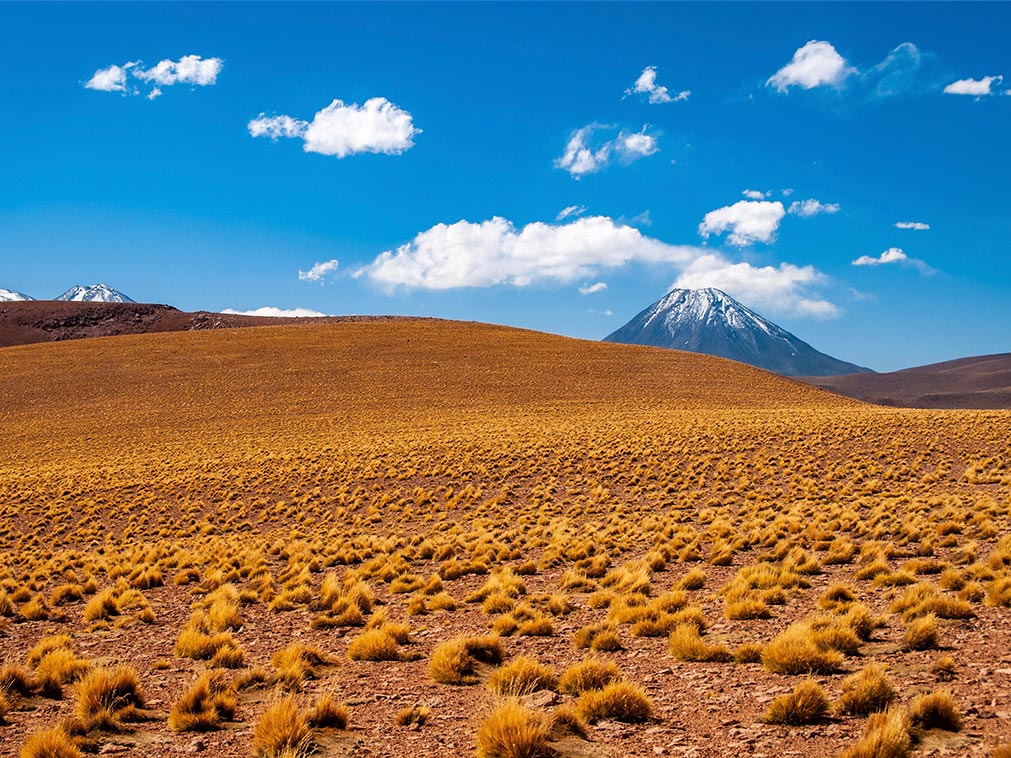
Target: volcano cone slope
x: 249, y: 500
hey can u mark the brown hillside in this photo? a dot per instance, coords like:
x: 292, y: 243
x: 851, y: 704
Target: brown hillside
x: 324, y: 510
x: 981, y: 382
x: 31, y: 321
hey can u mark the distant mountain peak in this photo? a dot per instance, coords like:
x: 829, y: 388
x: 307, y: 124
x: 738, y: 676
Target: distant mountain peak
x: 95, y: 293
x: 9, y: 296
x: 712, y: 322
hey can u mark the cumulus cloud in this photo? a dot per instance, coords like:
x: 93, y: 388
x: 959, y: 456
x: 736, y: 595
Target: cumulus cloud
x: 111, y: 79
x: 917, y: 225
x: 893, y: 255
x: 657, y: 93
x: 340, y: 130
x: 755, y: 194
x: 571, y: 210
x: 318, y: 271
x: 276, y: 127
x: 785, y: 288
x: 587, y: 153
x: 496, y: 252
x: 811, y: 207
x: 272, y: 312
x: 190, y: 69
x: 593, y: 288
x: 816, y: 64
x: 748, y: 221
x: 974, y: 87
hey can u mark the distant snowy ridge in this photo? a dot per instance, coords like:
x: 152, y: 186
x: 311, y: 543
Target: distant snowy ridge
x: 710, y: 321
x: 96, y: 293
x: 10, y: 296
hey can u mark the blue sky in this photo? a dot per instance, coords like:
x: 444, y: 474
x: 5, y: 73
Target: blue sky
x: 431, y: 149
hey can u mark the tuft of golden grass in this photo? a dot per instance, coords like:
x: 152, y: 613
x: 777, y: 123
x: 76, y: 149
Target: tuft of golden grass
x: 454, y: 661
x: 885, y: 736
x: 589, y: 674
x: 51, y: 743
x: 806, y: 704
x: 210, y: 700
x: 921, y: 633
x: 329, y: 713
x: 521, y: 676
x: 415, y: 714
x: 794, y: 651
x: 514, y: 731
x: 283, y: 731
x: 936, y: 710
x: 298, y: 662
x: 865, y: 692
x: 375, y: 645
x: 108, y: 696
x: 686, y: 644
x: 618, y: 701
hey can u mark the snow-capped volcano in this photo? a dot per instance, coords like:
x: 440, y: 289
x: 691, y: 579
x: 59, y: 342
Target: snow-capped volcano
x: 10, y: 296
x: 96, y: 293
x: 710, y: 321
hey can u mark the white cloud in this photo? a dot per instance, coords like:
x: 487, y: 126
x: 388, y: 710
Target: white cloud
x: 646, y: 85
x: 377, y: 126
x: 272, y: 312
x: 787, y: 192
x: 917, y: 225
x: 571, y: 210
x: 755, y: 194
x: 318, y: 271
x: 816, y: 64
x: 276, y: 127
x: 974, y: 87
x: 631, y: 147
x: 748, y: 221
x: 111, y: 79
x: 894, y: 255
x: 495, y: 252
x: 593, y: 288
x: 785, y: 288
x: 585, y: 155
x: 190, y: 69
x: 811, y: 207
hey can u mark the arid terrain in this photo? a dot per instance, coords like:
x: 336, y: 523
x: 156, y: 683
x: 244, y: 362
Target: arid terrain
x: 981, y: 382
x: 401, y: 537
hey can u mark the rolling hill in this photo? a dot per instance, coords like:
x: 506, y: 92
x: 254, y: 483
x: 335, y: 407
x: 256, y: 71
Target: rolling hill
x: 980, y: 382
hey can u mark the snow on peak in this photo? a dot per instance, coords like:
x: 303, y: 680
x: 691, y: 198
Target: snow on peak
x: 96, y: 293
x: 10, y: 296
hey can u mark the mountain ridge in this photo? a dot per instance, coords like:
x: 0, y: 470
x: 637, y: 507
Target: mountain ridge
x: 710, y: 321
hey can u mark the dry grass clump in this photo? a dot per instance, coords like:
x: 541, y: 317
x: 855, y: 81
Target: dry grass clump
x: 618, y: 701
x: 298, y: 662
x: 805, y: 705
x: 328, y: 713
x: 866, y: 692
x: 885, y: 736
x: 923, y: 599
x: 455, y: 661
x: 106, y: 697
x: 921, y: 633
x: 943, y: 668
x: 51, y: 743
x: 415, y: 714
x: 283, y: 731
x: 57, y: 667
x: 686, y: 644
x: 589, y: 674
x: 375, y: 645
x: 936, y: 710
x: 794, y: 651
x: 209, y: 701
x: 199, y: 642
x: 521, y: 676
x: 514, y: 731
x: 17, y: 679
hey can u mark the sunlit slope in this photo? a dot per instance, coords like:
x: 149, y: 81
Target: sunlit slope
x: 297, y: 379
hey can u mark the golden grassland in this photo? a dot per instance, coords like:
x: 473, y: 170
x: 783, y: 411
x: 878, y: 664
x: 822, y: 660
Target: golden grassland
x: 455, y: 538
